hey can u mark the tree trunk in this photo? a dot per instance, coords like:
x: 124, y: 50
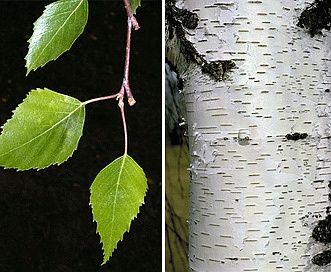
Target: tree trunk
x: 259, y: 134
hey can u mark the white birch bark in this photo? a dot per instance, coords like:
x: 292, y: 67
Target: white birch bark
x: 256, y: 195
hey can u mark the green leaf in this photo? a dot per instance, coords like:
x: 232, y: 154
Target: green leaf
x: 134, y: 4
x: 44, y: 130
x: 116, y: 195
x: 55, y: 31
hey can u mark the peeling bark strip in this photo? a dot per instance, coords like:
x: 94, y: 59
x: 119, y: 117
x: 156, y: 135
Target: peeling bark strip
x: 260, y: 140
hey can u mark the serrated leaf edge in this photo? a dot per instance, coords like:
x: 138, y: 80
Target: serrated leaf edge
x: 121, y: 238
x: 26, y: 57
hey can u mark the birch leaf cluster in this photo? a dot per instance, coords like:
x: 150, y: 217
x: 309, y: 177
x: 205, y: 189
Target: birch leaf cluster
x: 46, y: 127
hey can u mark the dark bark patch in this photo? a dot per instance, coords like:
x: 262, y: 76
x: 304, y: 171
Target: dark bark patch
x: 189, y: 19
x: 218, y: 69
x: 296, y: 136
x: 315, y: 17
x: 323, y: 258
x: 322, y: 232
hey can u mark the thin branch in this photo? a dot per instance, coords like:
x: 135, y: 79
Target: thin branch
x: 125, y: 83
x: 132, y: 23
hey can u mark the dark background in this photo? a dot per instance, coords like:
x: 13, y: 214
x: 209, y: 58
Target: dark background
x: 45, y: 218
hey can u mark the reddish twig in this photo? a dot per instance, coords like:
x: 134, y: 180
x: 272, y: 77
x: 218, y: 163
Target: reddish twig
x: 131, y: 23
